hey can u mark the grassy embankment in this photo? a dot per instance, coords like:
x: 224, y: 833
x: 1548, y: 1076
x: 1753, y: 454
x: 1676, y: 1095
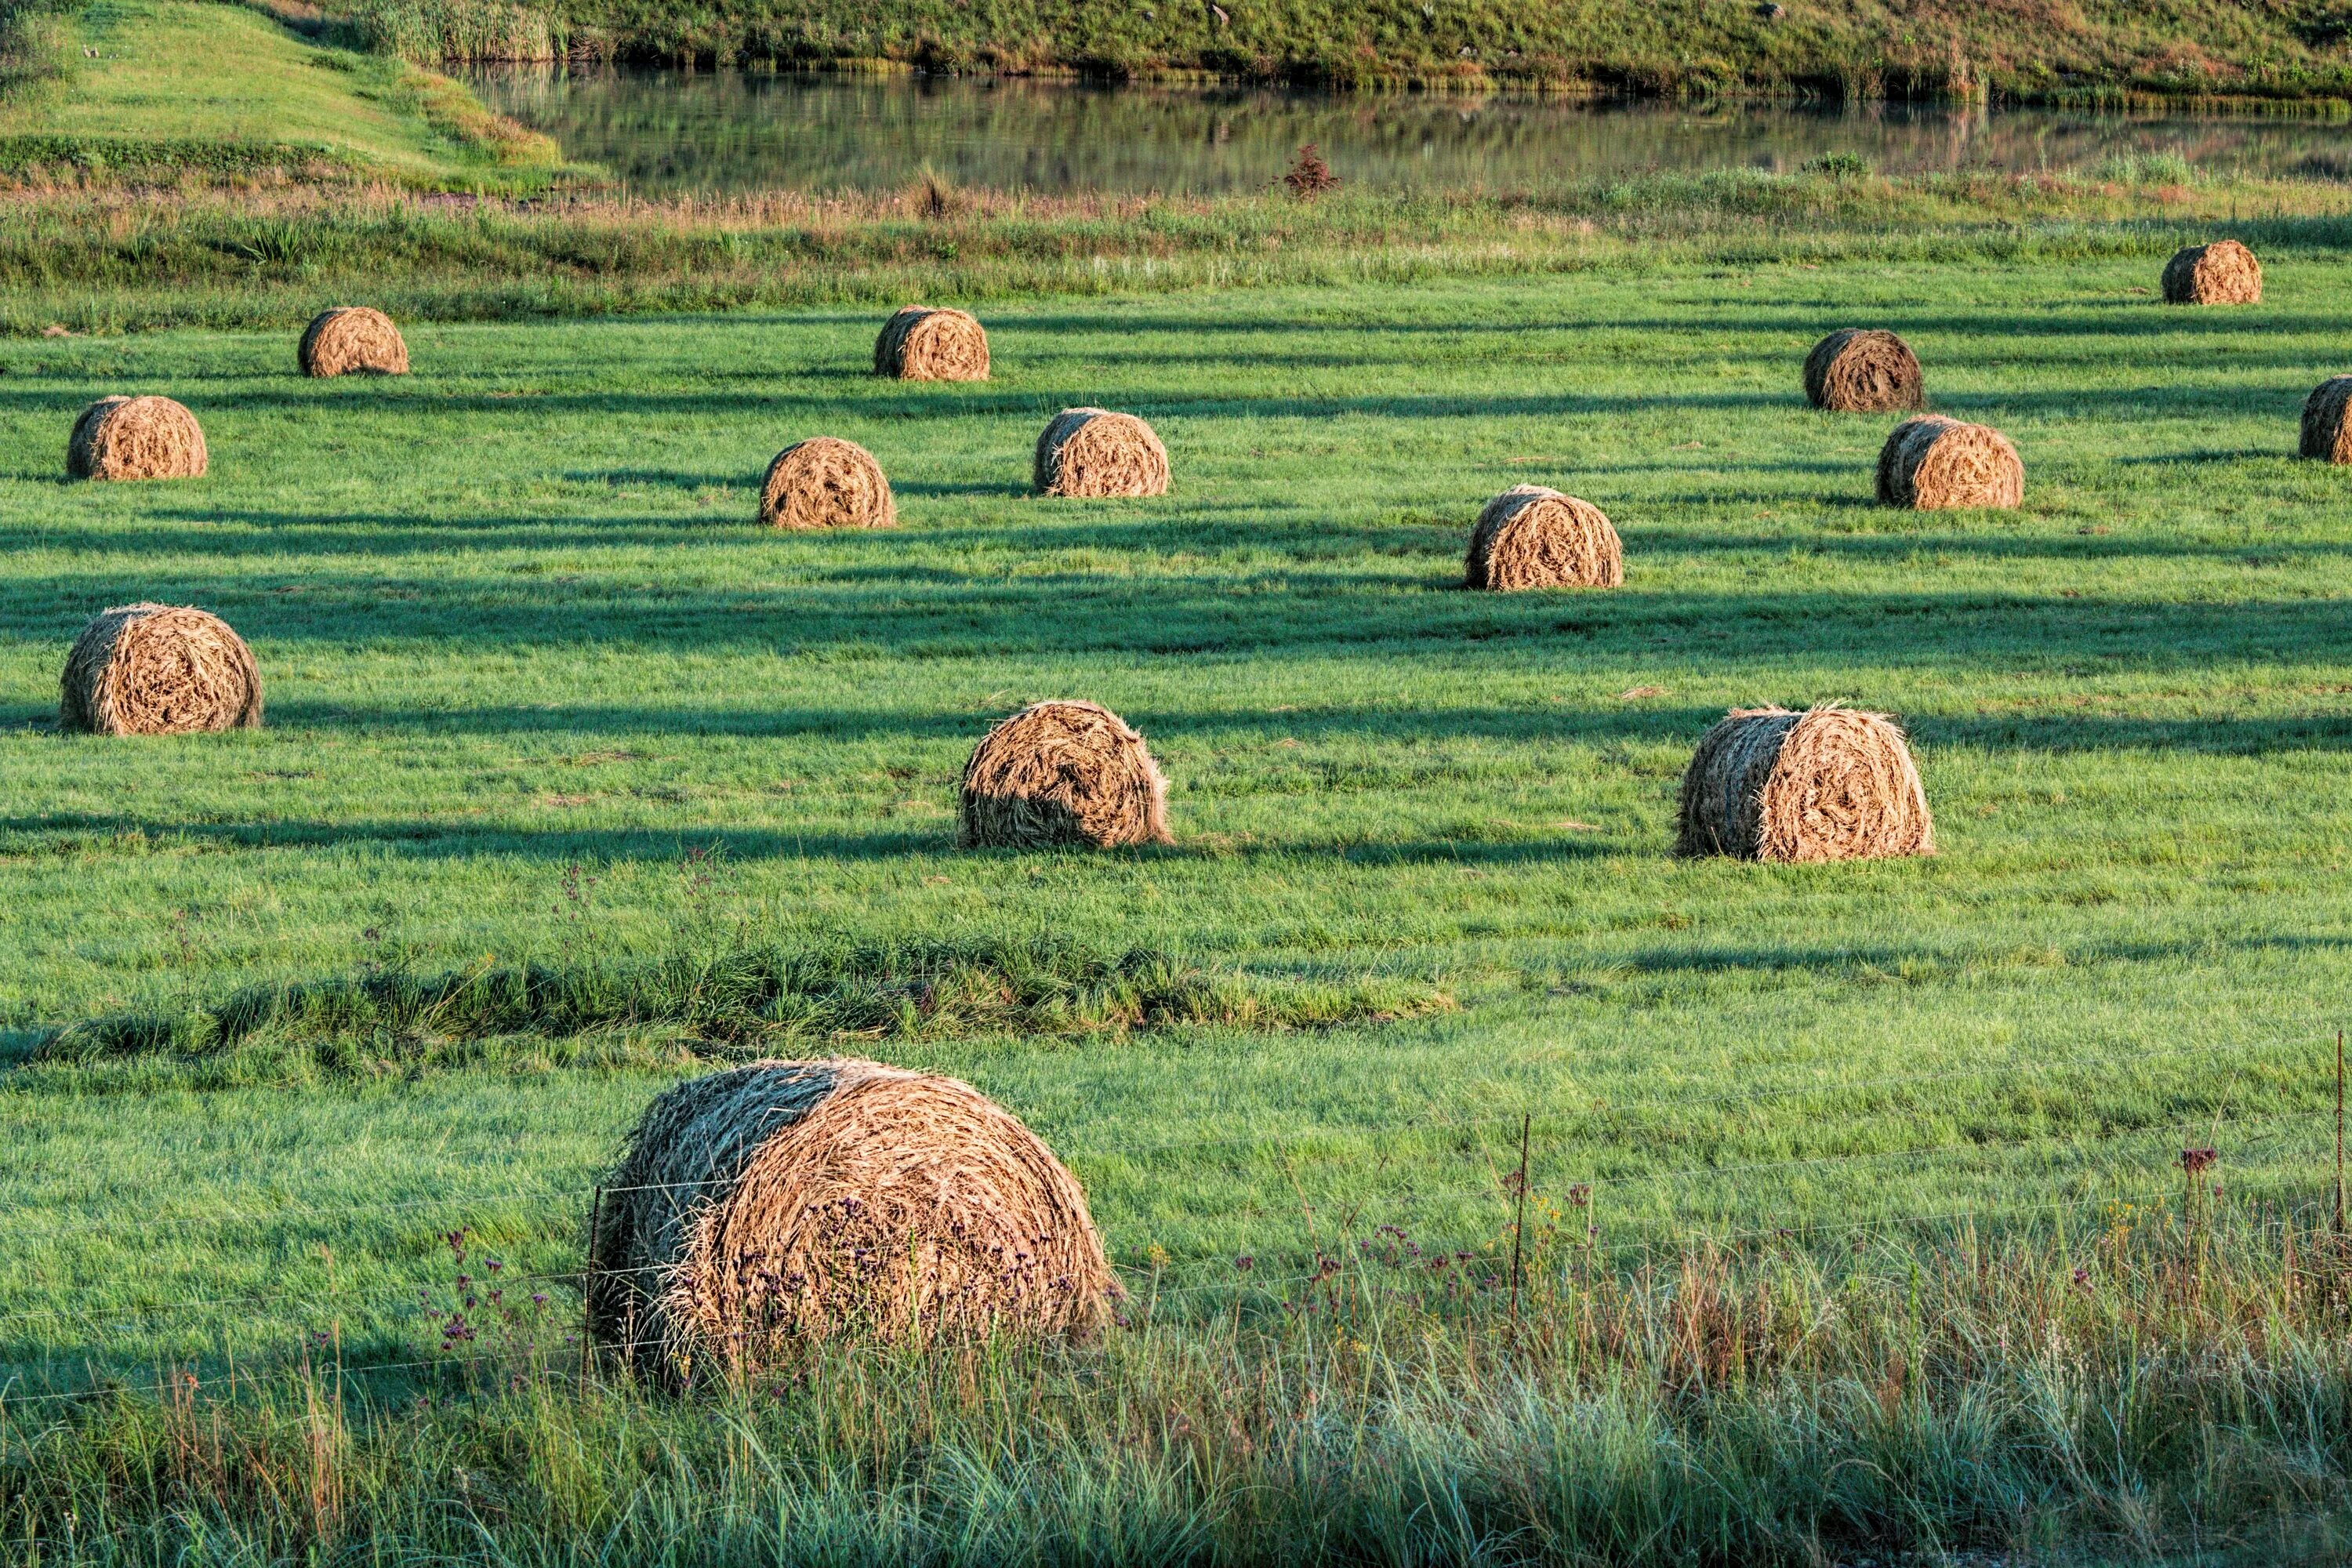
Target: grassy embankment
x: 177, y: 91
x: 1848, y: 50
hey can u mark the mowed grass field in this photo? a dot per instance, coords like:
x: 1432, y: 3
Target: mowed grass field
x: 539, y: 689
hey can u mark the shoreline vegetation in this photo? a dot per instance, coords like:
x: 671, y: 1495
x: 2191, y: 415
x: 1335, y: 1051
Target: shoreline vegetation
x: 252, y: 251
x: 1828, y: 50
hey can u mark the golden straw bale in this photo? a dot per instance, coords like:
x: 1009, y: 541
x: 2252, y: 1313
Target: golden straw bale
x: 2326, y: 433
x: 159, y: 670
x: 1854, y: 371
x: 1829, y: 783
x: 1063, y: 774
x: 923, y: 345
x: 1531, y: 537
x: 2221, y: 273
x: 1932, y: 463
x: 1094, y: 452
x: 786, y: 1201
x: 352, y: 339
x: 826, y: 482
x: 136, y: 438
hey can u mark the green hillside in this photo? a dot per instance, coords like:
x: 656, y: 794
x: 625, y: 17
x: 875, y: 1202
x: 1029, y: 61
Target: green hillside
x: 181, y: 86
x: 2038, y: 49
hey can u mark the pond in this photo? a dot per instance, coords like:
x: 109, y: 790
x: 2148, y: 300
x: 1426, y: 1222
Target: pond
x: 672, y: 131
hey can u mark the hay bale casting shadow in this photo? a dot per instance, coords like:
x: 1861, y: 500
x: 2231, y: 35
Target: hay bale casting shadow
x: 1061, y: 774
x: 1094, y: 452
x: 2221, y: 273
x: 1531, y: 537
x: 1859, y: 371
x: 826, y: 482
x: 2325, y: 433
x: 1829, y: 783
x: 136, y: 438
x: 921, y: 344
x: 159, y: 670
x: 352, y: 339
x: 1932, y: 463
x: 793, y: 1200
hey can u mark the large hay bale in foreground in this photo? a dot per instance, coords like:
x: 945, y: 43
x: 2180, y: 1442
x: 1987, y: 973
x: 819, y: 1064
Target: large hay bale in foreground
x: 1531, y: 537
x: 921, y: 344
x: 352, y: 339
x: 1932, y: 463
x: 2326, y: 433
x: 795, y: 1200
x: 2221, y: 273
x: 1063, y: 774
x: 1829, y: 783
x: 136, y: 438
x: 1863, y: 371
x: 159, y: 670
x: 1094, y: 452
x: 826, y: 482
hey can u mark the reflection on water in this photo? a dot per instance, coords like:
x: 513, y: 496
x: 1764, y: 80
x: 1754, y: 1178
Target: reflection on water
x: 667, y: 130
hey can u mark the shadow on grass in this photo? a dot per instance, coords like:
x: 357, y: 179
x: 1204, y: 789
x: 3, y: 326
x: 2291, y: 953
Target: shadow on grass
x: 429, y: 839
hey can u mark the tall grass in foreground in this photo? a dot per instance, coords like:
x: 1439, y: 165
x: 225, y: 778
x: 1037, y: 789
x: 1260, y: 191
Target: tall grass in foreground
x: 2158, y: 1378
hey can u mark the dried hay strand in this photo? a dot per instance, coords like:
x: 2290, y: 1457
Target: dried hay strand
x: 1863, y: 370
x: 1932, y: 463
x: 1829, y: 783
x: 136, y: 438
x: 2326, y: 433
x: 352, y: 339
x: 159, y: 670
x: 921, y: 344
x: 1531, y: 537
x: 795, y: 1200
x: 826, y: 482
x: 1094, y: 452
x: 1062, y: 773
x: 2221, y: 273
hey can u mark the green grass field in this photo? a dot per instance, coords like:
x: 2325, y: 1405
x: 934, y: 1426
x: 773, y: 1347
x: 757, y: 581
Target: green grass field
x: 538, y: 690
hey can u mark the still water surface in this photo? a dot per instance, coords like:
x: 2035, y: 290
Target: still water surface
x: 676, y: 131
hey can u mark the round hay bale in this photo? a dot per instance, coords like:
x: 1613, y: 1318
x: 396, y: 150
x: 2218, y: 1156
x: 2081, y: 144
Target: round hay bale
x: 1531, y: 537
x: 1859, y: 371
x: 1829, y: 783
x: 921, y: 344
x: 1094, y: 452
x: 2221, y: 273
x: 826, y: 482
x: 2326, y: 433
x: 1063, y: 774
x: 352, y: 339
x: 159, y: 670
x: 136, y: 438
x: 786, y: 1201
x: 1932, y: 463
